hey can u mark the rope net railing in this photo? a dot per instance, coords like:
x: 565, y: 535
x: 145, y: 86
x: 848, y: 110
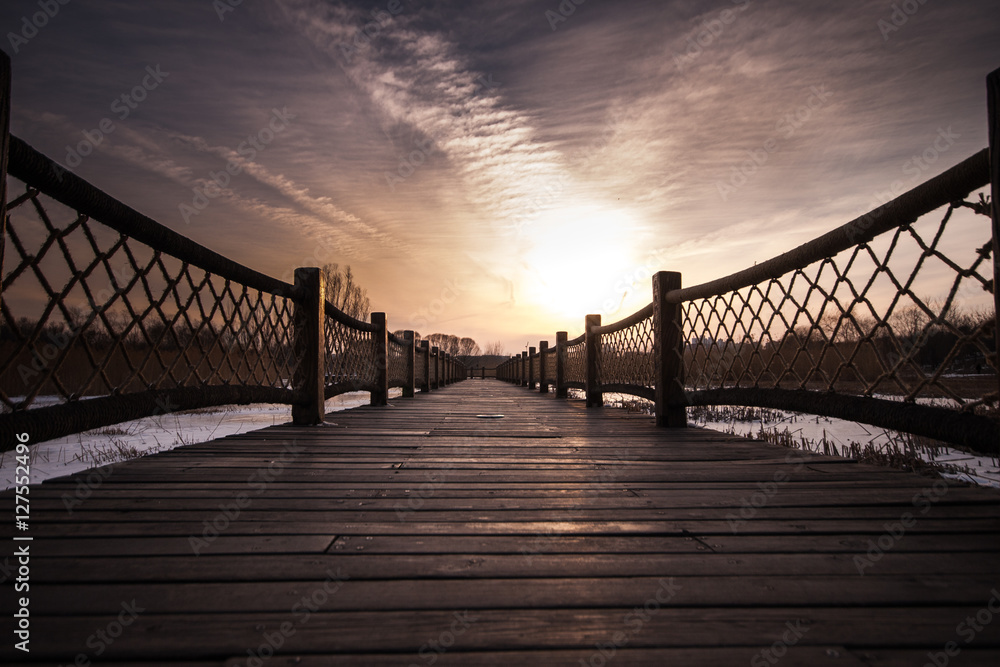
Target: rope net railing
x: 107, y: 316
x: 88, y: 311
x: 626, y: 363
x: 889, y: 320
x: 903, y: 316
x: 398, y: 367
x: 420, y: 367
x: 550, y: 365
x: 351, y: 357
x: 576, y: 363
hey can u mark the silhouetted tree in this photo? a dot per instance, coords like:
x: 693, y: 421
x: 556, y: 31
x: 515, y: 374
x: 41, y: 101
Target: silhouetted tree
x: 468, y: 347
x: 344, y: 293
x: 496, y: 348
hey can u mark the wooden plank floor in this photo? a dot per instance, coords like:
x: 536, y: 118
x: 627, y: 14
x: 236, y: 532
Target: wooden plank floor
x: 424, y: 534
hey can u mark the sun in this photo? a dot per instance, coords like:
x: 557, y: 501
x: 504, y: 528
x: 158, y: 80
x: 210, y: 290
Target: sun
x: 575, y: 258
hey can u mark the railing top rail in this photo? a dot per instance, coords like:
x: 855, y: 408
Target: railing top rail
x: 953, y: 185
x: 643, y: 313
x: 335, y: 313
x: 577, y: 341
x: 398, y: 340
x: 30, y: 166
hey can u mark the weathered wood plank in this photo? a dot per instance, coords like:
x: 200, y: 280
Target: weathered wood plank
x: 605, y: 592
x: 532, y: 564
x: 154, y: 636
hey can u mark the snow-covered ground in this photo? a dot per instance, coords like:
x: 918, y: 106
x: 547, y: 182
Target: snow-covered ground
x: 838, y: 434
x: 812, y: 432
x: 65, y: 456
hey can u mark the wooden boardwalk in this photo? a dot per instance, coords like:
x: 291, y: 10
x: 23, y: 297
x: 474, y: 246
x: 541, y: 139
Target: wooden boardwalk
x: 432, y: 532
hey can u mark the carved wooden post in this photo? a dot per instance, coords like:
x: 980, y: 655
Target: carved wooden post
x: 543, y: 380
x: 993, y: 106
x: 668, y: 352
x: 425, y: 381
x: 410, y: 381
x: 380, y: 341
x: 562, y: 391
x: 531, y: 367
x: 595, y: 398
x: 310, y: 346
x: 5, y: 76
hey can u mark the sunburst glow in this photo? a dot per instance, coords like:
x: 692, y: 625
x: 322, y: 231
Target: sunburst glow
x: 575, y: 257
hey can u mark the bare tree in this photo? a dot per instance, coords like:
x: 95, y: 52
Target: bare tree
x: 401, y: 333
x: 467, y: 347
x: 344, y: 293
x: 495, y: 349
x: 445, y: 342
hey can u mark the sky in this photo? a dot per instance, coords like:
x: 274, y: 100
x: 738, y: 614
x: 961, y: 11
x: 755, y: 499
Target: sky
x: 500, y: 169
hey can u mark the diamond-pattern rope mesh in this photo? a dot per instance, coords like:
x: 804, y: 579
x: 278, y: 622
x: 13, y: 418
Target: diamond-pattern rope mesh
x: 88, y: 311
x: 627, y: 356
x: 350, y: 356
x: 550, y: 365
x: 576, y: 363
x: 419, y: 366
x: 907, y: 316
x: 397, y: 363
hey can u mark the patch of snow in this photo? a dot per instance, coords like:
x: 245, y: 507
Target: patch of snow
x: 132, y: 439
x: 838, y: 434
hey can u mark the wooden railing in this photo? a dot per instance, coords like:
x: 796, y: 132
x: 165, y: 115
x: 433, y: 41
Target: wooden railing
x: 835, y: 327
x: 108, y: 316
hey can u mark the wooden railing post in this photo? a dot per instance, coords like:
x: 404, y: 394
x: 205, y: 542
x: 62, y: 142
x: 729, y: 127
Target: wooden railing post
x: 993, y: 109
x: 668, y: 352
x: 380, y: 341
x: 543, y: 381
x: 524, y: 369
x: 410, y: 382
x: 531, y: 368
x: 425, y: 380
x: 595, y: 398
x: 436, y: 353
x: 310, y: 347
x: 562, y: 337
x: 5, y: 76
